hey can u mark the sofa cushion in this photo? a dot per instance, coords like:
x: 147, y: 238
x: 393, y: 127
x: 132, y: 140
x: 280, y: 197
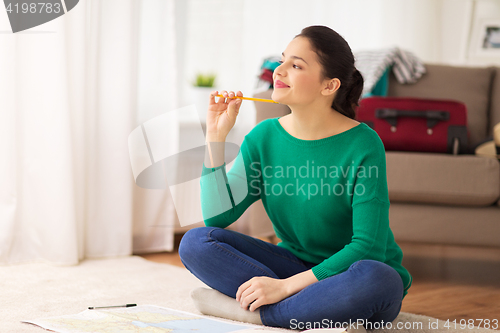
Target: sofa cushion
x: 469, y: 85
x: 450, y: 225
x: 442, y: 179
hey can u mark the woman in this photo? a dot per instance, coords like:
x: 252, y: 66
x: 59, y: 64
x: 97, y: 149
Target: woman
x: 321, y: 176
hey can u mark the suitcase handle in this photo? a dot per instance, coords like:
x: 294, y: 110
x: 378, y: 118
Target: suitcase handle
x: 432, y: 116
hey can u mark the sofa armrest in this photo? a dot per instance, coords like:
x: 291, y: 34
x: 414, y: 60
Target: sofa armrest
x: 461, y: 180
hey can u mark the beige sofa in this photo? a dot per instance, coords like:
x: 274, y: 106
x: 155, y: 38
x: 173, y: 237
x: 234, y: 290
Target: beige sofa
x: 435, y: 198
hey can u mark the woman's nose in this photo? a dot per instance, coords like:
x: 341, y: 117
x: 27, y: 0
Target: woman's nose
x: 279, y: 70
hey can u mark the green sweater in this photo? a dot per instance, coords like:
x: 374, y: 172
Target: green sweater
x: 327, y: 199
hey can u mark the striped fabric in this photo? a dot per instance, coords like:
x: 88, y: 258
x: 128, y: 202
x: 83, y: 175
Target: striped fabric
x: 407, y: 68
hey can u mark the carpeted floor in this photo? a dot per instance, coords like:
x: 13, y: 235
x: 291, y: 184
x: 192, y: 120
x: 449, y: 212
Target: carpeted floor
x: 34, y: 291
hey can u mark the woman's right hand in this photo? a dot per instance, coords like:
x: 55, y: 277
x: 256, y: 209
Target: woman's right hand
x: 221, y: 115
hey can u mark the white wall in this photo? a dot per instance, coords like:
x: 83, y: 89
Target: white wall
x: 233, y: 37
x: 482, y: 9
x: 456, y: 17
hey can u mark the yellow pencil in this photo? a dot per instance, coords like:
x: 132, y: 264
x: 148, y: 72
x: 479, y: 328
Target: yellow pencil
x: 251, y: 99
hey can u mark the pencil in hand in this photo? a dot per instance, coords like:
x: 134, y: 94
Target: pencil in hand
x: 251, y: 99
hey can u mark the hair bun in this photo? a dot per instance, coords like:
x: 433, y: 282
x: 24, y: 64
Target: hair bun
x: 355, y: 88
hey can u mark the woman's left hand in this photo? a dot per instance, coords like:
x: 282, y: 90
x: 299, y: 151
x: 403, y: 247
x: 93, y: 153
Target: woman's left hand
x: 261, y: 290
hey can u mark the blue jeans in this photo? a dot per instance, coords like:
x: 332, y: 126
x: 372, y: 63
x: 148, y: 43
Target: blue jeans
x: 223, y: 259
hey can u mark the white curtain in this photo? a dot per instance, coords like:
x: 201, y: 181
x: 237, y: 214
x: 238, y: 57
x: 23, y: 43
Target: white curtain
x: 72, y: 90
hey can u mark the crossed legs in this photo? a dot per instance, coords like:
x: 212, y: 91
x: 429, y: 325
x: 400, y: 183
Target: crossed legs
x: 224, y: 259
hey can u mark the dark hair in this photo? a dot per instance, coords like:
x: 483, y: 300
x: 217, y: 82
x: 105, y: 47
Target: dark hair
x: 337, y: 61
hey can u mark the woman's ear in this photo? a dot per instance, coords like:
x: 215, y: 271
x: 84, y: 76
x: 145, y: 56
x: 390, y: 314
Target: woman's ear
x: 331, y: 86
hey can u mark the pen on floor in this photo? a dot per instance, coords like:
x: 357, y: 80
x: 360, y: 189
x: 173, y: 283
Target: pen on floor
x: 112, y: 306
x: 251, y: 99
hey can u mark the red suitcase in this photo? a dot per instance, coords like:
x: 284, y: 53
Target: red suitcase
x: 414, y: 124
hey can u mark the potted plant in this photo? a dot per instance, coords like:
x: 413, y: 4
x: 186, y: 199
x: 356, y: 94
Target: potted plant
x: 202, y: 86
